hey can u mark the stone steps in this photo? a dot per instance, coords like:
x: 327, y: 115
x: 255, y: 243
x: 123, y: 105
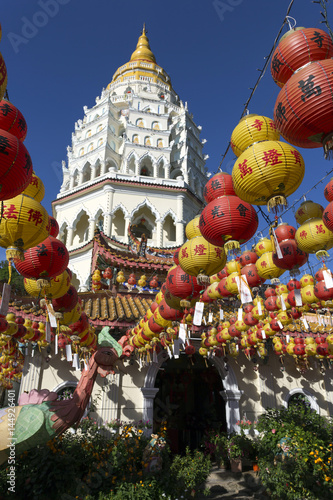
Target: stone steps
x: 224, y: 484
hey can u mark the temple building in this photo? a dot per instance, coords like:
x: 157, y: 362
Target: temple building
x: 135, y: 161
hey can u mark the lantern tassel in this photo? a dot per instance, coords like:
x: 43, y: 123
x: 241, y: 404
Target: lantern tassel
x: 321, y: 254
x: 277, y: 203
x: 9, y: 271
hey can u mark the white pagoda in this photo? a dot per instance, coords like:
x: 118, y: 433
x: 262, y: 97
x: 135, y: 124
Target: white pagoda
x: 135, y: 161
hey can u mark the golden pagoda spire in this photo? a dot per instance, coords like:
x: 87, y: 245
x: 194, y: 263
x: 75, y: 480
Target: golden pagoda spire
x: 143, y: 51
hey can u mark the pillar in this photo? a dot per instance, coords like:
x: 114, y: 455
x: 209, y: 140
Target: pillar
x: 93, y: 172
x: 159, y: 233
x: 109, y: 191
x: 69, y: 239
x: 232, y: 412
x: 81, y: 178
x: 31, y: 372
x: 91, y: 232
x: 71, y: 181
x: 149, y: 394
x: 167, y: 171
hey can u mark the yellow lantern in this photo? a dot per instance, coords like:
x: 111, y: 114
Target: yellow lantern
x: 284, y: 318
x: 159, y: 297
x: 200, y: 258
x: 71, y: 316
x: 214, y: 279
x: 266, y: 267
x: 264, y: 245
x: 314, y: 237
x: 232, y: 266
x: 212, y: 291
x: 36, y: 188
x: 192, y: 229
x: 161, y: 321
x: 308, y: 210
x: 120, y: 277
x: 241, y: 326
x: 231, y: 283
x: 23, y: 225
x: 252, y: 128
x: 58, y: 286
x: 306, y: 280
x: 307, y: 294
x: 284, y: 297
x: 267, y: 172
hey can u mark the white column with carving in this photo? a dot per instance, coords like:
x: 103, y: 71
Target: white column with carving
x: 69, y: 239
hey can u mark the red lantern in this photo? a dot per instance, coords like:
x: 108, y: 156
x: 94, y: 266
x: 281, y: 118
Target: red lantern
x: 270, y: 303
x: 321, y: 292
x: 304, y: 107
x: 218, y: 185
x: 175, y: 257
x: 250, y: 320
x: 67, y: 302
x: 15, y: 166
x: 12, y: 120
x: 80, y: 325
x: 292, y: 284
x: 53, y: 227
x: 285, y: 232
x: 328, y: 191
x: 131, y: 280
x: 222, y: 289
x: 168, y: 312
x: 228, y: 220
x: 248, y: 257
x: 292, y: 257
x: 182, y: 285
x: 205, y: 298
x: 107, y: 274
x: 297, y: 48
x: 153, y: 326
x: 328, y: 216
x: 190, y: 350
x: 46, y: 260
x: 153, y: 283
x: 252, y: 276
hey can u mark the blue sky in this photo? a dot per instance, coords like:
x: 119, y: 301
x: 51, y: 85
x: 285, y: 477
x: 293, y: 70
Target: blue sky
x: 61, y: 53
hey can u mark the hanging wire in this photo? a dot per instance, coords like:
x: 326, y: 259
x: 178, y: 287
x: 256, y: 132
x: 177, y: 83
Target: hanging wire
x: 262, y: 72
x: 323, y: 3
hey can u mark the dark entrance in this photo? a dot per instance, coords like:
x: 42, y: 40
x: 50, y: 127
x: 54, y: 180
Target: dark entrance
x: 189, y: 400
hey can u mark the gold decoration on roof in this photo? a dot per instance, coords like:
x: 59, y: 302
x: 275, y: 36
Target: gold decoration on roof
x: 143, y: 51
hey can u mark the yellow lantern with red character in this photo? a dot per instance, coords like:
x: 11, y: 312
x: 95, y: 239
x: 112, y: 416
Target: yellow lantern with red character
x: 58, y: 286
x: 314, y: 237
x: 266, y: 267
x: 267, y: 173
x: 252, y: 128
x: 200, y: 258
x: 192, y: 228
x: 23, y: 225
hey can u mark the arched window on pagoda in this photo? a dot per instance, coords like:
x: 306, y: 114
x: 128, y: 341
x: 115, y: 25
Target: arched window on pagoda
x: 86, y: 173
x: 81, y: 229
x: 156, y: 126
x: 98, y: 170
x: 160, y: 169
x: 100, y: 222
x: 160, y: 143
x: 146, y: 167
x: 148, y: 141
x: 131, y: 165
x: 169, y: 231
x: 143, y: 222
x: 135, y: 139
x: 142, y: 227
x: 118, y: 224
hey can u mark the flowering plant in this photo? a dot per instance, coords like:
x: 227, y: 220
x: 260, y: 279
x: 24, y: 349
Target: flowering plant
x: 245, y: 424
x: 114, y: 424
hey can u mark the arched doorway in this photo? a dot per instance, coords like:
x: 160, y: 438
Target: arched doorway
x: 189, y: 400
x: 231, y: 393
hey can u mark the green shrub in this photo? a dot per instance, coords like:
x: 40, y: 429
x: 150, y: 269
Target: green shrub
x: 295, y: 452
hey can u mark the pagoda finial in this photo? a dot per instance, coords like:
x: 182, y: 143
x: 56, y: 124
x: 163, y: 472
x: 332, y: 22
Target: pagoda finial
x: 143, y: 51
